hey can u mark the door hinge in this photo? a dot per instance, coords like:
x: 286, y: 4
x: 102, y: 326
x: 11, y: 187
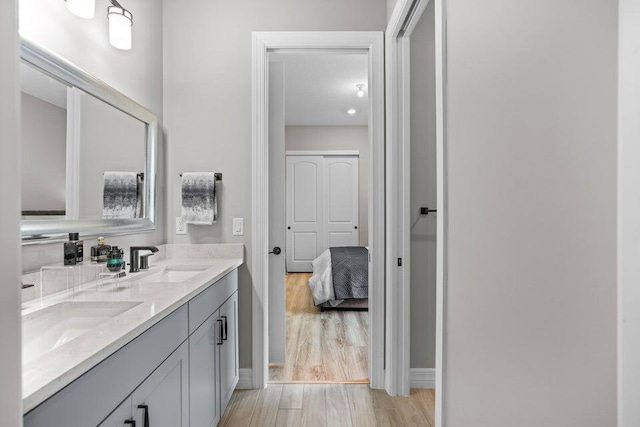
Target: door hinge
x: 399, y: 262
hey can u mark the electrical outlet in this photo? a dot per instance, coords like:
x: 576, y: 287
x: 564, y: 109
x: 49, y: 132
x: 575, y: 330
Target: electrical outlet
x: 181, y: 227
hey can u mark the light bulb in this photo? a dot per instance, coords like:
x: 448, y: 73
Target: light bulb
x: 120, y: 23
x: 351, y: 111
x: 83, y: 8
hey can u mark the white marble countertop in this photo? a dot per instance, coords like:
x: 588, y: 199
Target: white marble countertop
x: 47, y: 374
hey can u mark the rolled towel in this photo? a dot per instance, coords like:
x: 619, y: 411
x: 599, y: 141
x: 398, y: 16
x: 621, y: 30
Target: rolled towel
x: 199, y: 201
x: 121, y: 195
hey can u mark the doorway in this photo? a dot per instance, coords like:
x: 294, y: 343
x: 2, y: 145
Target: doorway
x: 318, y: 298
x: 368, y: 44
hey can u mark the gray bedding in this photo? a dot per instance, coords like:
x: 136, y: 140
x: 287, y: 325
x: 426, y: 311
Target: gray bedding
x: 350, y: 272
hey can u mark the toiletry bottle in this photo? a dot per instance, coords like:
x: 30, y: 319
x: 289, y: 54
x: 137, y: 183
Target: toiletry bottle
x: 75, y: 238
x: 100, y: 252
x: 115, y: 259
x: 70, y: 251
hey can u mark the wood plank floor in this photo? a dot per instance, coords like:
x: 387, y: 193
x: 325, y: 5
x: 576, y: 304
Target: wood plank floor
x: 323, y: 347
x: 328, y: 405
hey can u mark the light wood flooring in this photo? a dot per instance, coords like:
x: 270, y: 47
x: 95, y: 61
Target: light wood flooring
x: 325, y: 347
x: 328, y: 405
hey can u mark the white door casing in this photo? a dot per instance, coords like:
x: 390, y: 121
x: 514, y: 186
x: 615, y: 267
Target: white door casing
x: 320, y: 42
x: 305, y: 182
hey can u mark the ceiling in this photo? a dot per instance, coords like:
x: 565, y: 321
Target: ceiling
x: 320, y: 88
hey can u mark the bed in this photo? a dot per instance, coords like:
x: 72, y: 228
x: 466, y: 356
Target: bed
x: 340, y: 278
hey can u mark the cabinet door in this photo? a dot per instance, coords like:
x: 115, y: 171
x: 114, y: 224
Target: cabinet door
x: 119, y: 416
x: 204, y: 406
x: 229, y: 372
x: 165, y: 393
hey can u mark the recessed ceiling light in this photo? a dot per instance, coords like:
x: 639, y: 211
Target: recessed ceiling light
x: 351, y: 111
x: 360, y: 89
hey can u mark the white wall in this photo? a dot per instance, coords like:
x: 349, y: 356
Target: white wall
x: 10, y: 361
x: 423, y: 191
x: 303, y: 138
x: 136, y: 73
x: 629, y: 214
x: 43, y: 154
x: 531, y: 312
x: 207, y: 91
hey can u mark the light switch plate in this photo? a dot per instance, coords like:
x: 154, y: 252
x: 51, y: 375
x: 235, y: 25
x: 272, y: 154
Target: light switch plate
x: 238, y: 226
x: 181, y: 227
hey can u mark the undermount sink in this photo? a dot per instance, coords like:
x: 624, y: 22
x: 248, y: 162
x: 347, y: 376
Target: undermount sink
x: 171, y: 274
x: 54, y: 326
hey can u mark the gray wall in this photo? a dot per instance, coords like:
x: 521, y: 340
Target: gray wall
x: 339, y: 138
x: 137, y: 73
x: 531, y: 312
x: 423, y: 192
x: 207, y: 91
x: 629, y: 215
x: 10, y: 362
x: 43, y: 154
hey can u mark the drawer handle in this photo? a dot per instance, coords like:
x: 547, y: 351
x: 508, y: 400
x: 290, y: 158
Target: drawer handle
x: 145, y: 408
x: 221, y: 331
x: 130, y: 422
x: 226, y: 332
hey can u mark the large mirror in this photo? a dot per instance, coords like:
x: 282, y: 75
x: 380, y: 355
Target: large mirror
x: 88, y: 153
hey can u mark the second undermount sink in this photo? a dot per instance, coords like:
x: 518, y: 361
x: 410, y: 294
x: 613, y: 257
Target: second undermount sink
x: 47, y: 329
x: 171, y: 274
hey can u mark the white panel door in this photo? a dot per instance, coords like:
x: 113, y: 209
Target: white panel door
x: 341, y: 201
x: 304, y: 193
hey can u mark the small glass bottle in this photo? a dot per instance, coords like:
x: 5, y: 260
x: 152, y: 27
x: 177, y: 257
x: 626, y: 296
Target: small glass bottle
x: 100, y: 252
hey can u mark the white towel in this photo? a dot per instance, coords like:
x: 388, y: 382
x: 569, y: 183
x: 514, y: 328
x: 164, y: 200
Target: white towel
x: 199, y: 204
x: 120, y: 197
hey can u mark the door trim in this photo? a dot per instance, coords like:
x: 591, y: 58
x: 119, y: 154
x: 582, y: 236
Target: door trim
x: 371, y: 42
x: 345, y: 153
x: 402, y: 22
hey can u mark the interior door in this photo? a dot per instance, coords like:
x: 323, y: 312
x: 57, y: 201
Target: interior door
x: 341, y: 201
x: 304, y: 193
x: 277, y: 239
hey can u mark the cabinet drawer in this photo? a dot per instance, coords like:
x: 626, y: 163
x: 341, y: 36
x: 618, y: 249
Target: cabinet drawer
x: 89, y: 399
x: 208, y: 301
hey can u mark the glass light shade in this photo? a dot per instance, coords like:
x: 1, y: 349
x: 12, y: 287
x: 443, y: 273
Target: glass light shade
x: 120, y: 23
x: 83, y: 8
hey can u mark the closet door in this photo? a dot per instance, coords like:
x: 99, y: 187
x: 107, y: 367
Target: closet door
x: 341, y: 201
x: 304, y: 193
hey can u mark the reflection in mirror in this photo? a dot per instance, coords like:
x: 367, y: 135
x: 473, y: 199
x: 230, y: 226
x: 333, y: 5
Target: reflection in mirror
x: 107, y: 172
x: 44, y: 144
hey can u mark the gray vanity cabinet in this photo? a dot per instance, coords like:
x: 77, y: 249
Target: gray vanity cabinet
x: 184, y: 369
x: 229, y: 370
x: 204, y: 378
x: 120, y: 415
x: 163, y: 397
x: 213, y: 351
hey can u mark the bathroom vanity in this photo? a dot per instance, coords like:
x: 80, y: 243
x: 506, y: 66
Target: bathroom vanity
x: 160, y: 348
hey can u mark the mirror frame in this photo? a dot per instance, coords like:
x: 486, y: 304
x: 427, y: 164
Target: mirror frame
x: 50, y: 231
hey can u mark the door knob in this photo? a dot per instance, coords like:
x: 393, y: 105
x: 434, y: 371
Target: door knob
x: 356, y: 227
x: 276, y: 251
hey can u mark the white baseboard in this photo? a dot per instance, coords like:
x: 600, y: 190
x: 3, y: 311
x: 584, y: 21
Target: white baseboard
x: 246, y: 379
x: 422, y: 378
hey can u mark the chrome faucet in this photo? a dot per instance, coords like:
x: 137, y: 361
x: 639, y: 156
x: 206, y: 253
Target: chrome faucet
x: 140, y: 262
